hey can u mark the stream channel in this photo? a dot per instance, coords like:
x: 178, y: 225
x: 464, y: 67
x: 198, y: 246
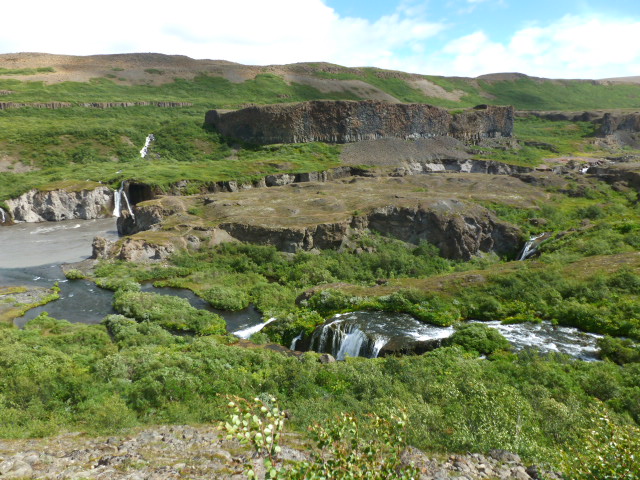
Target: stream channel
x: 31, y: 255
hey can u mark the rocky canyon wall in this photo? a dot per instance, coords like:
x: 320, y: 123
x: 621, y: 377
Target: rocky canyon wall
x: 349, y: 121
x: 56, y: 205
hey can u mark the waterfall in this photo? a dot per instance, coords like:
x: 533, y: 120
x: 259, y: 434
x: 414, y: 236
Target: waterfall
x: 531, y: 246
x: 126, y: 200
x: 295, y: 341
x: 117, y: 196
x: 147, y: 142
x: 342, y: 338
x: 584, y: 170
x: 117, y: 202
x: 247, y: 332
x: 3, y: 218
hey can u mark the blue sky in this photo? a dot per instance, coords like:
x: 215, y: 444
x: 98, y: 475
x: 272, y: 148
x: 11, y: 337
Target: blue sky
x: 555, y: 39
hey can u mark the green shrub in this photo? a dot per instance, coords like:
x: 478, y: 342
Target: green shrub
x: 476, y: 337
x: 619, y: 350
x: 74, y: 274
x: 226, y: 298
x: 606, y: 451
x: 172, y: 313
x: 118, y: 283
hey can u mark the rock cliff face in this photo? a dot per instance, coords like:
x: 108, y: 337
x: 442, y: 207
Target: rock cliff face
x: 621, y: 130
x: 56, y: 205
x: 613, y: 123
x: 346, y: 121
x: 460, y: 230
x: 460, y: 166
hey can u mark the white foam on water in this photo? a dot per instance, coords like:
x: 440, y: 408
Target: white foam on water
x: 247, y: 332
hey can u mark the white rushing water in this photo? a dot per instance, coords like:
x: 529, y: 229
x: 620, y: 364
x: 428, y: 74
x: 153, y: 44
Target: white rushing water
x: 247, y: 332
x: 3, y: 218
x: 117, y: 197
x: 117, y: 202
x: 364, y: 334
x: 531, y: 246
x: 147, y: 142
x: 295, y: 341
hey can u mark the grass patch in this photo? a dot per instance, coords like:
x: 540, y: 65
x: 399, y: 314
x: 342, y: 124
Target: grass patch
x: 26, y: 71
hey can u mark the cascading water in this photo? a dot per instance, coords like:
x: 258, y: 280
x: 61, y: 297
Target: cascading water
x: 366, y: 334
x: 247, y: 332
x: 344, y: 337
x: 117, y: 202
x: 531, y: 246
x: 117, y: 196
x: 147, y: 142
x: 3, y: 218
x: 295, y: 341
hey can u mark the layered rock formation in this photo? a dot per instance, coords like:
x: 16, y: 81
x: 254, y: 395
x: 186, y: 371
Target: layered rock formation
x: 56, y: 205
x: 620, y: 130
x: 613, y: 123
x: 346, y: 121
x: 306, y: 216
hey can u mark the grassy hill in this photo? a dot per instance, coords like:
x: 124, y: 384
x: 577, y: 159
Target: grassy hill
x: 39, y: 146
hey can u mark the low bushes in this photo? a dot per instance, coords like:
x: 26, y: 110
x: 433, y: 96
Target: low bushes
x: 173, y: 313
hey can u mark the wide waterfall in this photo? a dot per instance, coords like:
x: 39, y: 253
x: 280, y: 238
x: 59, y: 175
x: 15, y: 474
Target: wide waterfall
x: 370, y: 334
x: 117, y: 202
x: 365, y: 334
x: 150, y: 138
x: 532, y: 245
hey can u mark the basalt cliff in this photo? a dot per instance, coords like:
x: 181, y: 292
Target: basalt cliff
x: 349, y: 121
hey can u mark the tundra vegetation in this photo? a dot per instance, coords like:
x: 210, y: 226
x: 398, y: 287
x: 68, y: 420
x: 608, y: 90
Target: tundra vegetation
x: 159, y: 360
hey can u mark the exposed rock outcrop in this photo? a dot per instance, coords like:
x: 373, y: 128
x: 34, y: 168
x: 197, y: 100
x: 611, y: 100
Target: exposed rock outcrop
x: 56, y: 205
x: 202, y: 452
x: 462, y: 166
x: 620, y: 130
x: 613, y: 123
x: 347, y: 121
x: 460, y: 230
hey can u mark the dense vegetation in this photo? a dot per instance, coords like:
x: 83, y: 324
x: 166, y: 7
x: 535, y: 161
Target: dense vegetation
x: 160, y: 360
x: 60, y: 375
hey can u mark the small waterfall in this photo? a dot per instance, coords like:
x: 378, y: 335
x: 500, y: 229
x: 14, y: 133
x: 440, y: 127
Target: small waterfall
x: 126, y: 200
x: 3, y: 217
x: 584, y: 170
x: 343, y: 338
x: 117, y: 202
x: 295, y: 341
x: 531, y: 246
x: 247, y: 332
x: 117, y: 196
x: 147, y: 142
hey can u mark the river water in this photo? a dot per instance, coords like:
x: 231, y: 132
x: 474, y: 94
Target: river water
x: 31, y: 255
x: 365, y: 334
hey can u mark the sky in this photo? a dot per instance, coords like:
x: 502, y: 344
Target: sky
x: 545, y: 38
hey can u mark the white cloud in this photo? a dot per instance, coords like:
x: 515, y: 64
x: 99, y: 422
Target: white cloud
x: 287, y: 31
x: 245, y: 31
x: 573, y: 47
